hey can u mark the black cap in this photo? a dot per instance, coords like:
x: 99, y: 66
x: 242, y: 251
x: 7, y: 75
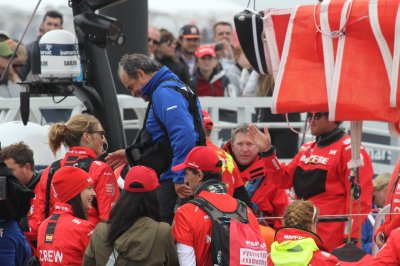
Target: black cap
x: 189, y: 31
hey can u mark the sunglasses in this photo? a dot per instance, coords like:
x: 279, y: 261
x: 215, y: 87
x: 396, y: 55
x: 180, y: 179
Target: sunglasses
x: 153, y: 41
x: 102, y: 133
x: 316, y: 116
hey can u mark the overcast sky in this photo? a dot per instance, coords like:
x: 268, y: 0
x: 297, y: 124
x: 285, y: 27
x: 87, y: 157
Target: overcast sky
x: 260, y: 4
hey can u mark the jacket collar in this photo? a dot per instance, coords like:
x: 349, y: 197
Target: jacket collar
x: 292, y: 233
x: 81, y: 151
x: 34, y: 180
x: 212, y: 185
x: 63, y: 207
x: 162, y: 75
x: 331, y: 137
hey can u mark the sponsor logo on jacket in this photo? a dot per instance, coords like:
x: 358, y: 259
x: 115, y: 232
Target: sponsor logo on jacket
x: 314, y: 159
x: 292, y: 237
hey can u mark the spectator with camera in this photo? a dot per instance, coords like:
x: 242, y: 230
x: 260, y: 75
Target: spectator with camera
x: 223, y: 43
x: 14, y: 205
x: 19, y: 159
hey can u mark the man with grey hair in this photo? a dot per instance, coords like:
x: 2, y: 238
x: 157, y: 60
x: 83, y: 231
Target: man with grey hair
x: 172, y: 118
x: 266, y: 198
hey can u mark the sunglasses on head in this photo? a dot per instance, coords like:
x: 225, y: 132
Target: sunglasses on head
x: 153, y: 41
x: 316, y: 116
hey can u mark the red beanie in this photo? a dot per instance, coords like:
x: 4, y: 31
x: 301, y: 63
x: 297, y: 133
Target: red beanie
x: 69, y: 181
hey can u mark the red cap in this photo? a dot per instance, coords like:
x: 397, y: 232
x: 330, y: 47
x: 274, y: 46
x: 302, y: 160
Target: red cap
x: 69, y: 181
x: 205, y: 50
x: 207, y: 121
x: 141, y: 179
x: 201, y: 158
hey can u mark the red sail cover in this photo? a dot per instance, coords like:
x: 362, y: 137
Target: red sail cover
x: 300, y: 85
x: 330, y: 30
x: 382, y: 17
x: 275, y: 25
x: 360, y: 85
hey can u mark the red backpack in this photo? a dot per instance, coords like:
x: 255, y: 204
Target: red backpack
x: 234, y: 241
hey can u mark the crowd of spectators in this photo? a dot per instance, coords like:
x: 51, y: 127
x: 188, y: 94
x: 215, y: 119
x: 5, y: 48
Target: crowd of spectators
x: 132, y: 224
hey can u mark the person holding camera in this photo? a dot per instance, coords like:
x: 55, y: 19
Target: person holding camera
x: 171, y: 128
x: 223, y: 43
x: 14, y: 205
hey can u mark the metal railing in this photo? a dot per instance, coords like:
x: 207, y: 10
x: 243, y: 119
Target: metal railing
x: 243, y: 106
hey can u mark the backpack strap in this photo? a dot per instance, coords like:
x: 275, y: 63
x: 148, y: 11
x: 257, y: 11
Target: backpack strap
x: 51, y: 227
x: 160, y: 124
x: 85, y: 163
x: 222, y: 217
x: 53, y: 168
x: 191, y: 97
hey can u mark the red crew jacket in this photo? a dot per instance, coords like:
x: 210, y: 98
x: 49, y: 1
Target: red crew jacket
x: 320, y: 257
x: 192, y: 226
x: 105, y: 185
x: 389, y: 255
x: 268, y: 199
x: 68, y: 241
x: 320, y: 175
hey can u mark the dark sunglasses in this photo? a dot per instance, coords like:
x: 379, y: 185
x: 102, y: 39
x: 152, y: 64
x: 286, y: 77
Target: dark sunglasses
x: 316, y: 116
x: 153, y: 41
x: 102, y: 133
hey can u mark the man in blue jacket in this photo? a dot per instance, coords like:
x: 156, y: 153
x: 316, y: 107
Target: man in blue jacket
x: 143, y: 78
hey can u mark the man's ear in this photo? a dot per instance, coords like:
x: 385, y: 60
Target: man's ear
x: 140, y: 74
x: 41, y: 28
x: 28, y: 166
x: 200, y: 175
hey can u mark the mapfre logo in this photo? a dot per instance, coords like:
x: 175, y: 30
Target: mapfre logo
x: 292, y: 237
x: 314, y: 159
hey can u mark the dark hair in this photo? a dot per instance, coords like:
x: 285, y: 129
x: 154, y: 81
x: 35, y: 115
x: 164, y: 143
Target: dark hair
x: 221, y: 23
x: 166, y: 36
x: 20, y: 152
x: 53, y: 14
x: 77, y: 207
x: 131, y: 63
x: 208, y: 175
x: 128, y: 209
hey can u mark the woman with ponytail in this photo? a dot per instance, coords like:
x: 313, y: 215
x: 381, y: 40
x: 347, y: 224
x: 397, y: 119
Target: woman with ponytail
x: 85, y: 138
x: 297, y: 243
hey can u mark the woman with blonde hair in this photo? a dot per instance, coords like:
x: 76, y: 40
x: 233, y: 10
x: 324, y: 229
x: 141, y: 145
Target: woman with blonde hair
x: 85, y: 137
x: 297, y: 242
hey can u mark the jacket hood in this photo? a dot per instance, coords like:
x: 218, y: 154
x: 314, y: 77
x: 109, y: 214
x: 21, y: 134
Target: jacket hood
x: 137, y: 242
x: 162, y: 75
